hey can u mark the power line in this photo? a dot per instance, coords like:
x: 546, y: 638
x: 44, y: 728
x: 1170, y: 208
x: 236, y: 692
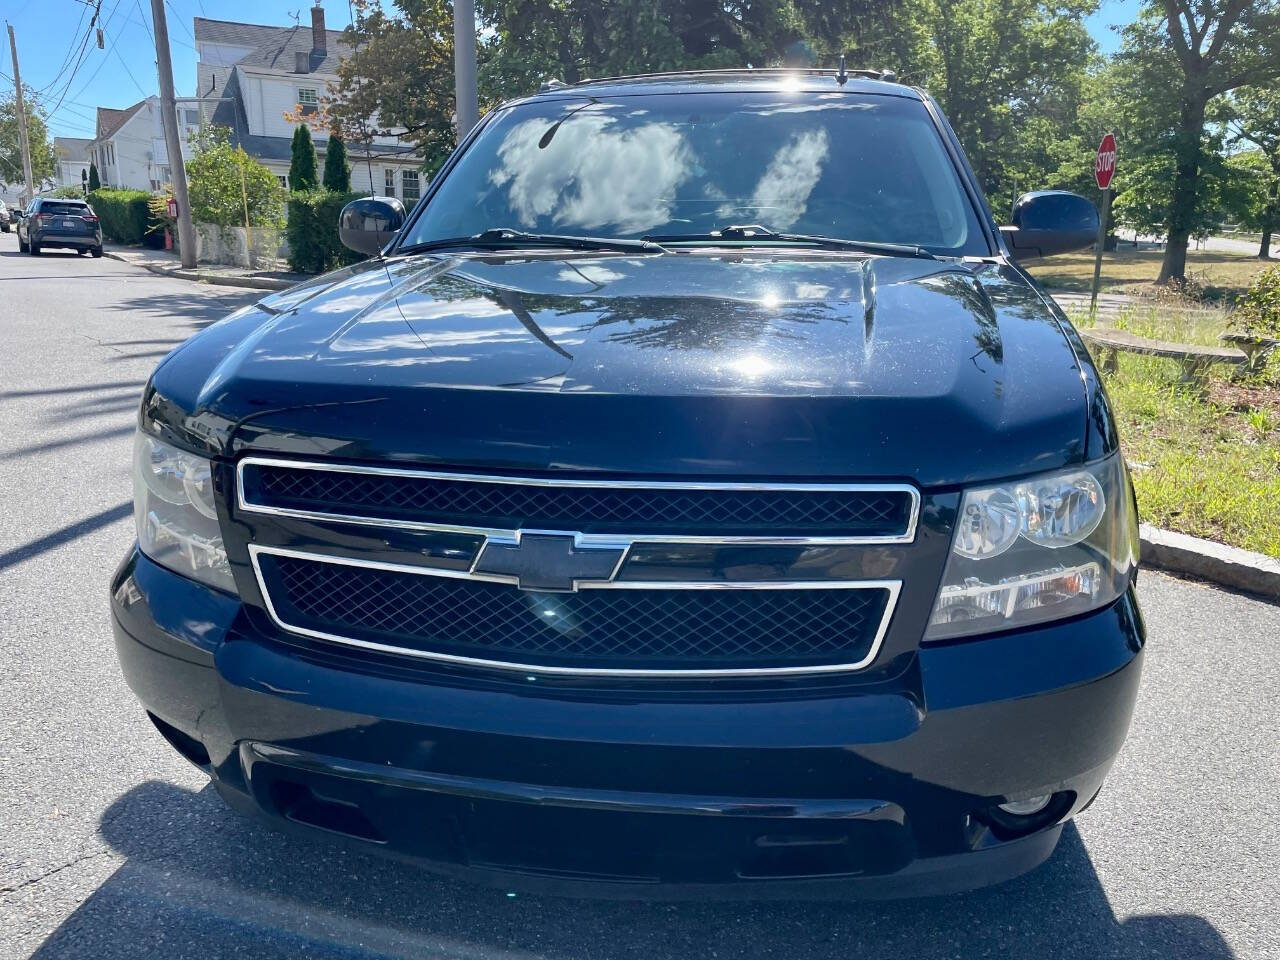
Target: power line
x: 66, y: 60
x: 84, y: 46
x: 181, y: 23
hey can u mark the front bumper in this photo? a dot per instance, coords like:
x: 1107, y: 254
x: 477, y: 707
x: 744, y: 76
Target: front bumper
x: 873, y: 789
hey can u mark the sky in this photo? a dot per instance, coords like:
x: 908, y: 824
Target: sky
x: 124, y: 71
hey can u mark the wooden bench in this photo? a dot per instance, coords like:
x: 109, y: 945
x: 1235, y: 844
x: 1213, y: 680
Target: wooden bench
x: 1256, y: 349
x: 1196, y: 360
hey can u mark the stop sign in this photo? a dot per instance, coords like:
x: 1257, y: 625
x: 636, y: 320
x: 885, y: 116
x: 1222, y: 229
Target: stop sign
x: 1104, y: 165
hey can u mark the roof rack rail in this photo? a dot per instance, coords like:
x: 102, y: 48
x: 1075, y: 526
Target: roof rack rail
x: 867, y: 73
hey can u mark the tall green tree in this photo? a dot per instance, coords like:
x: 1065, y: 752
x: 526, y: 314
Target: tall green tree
x: 43, y: 160
x: 1202, y: 49
x: 95, y: 182
x: 1010, y: 75
x: 1256, y: 120
x: 302, y: 164
x: 337, y: 172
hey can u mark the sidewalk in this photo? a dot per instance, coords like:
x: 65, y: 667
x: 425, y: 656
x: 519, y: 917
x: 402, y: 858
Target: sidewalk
x: 166, y: 263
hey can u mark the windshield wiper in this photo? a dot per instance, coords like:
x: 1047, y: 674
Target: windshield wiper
x: 755, y: 232
x: 505, y: 238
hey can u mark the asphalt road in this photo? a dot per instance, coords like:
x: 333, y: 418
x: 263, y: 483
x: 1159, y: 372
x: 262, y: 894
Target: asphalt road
x: 111, y: 846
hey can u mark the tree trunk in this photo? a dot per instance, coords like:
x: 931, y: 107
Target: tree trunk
x: 1273, y: 214
x: 1186, y: 189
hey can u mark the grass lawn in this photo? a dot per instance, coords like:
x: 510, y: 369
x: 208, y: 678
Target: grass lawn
x: 1207, y: 465
x: 1125, y: 270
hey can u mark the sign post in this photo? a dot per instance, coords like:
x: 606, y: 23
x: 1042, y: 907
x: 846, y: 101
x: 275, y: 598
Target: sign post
x: 1104, y: 168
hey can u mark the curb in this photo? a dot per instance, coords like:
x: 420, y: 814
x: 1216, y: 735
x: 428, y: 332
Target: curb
x: 1212, y: 562
x: 217, y: 280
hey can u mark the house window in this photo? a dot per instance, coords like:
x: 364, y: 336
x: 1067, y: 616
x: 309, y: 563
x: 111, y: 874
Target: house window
x: 284, y: 180
x: 191, y: 118
x: 308, y: 96
x: 389, y: 183
x: 409, y: 186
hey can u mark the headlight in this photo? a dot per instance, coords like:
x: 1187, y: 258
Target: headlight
x: 1039, y: 549
x: 174, y: 509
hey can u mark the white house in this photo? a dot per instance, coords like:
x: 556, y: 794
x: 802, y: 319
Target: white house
x: 249, y: 76
x: 122, y: 148
x: 189, y: 115
x: 73, y: 160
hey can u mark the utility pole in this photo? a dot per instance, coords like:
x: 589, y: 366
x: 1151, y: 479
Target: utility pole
x: 22, y: 117
x: 172, y: 141
x: 467, y: 107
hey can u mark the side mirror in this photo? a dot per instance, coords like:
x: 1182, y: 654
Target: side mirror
x: 368, y: 224
x: 1049, y: 222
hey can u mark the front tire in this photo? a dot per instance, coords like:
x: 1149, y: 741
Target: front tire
x: 96, y: 251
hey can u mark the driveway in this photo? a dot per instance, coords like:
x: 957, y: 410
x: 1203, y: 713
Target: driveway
x: 112, y: 847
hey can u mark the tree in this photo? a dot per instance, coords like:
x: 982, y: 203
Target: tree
x: 400, y: 71
x: 400, y: 67
x: 43, y: 159
x: 94, y: 182
x: 1205, y: 48
x: 1256, y: 120
x: 221, y: 178
x: 302, y: 166
x: 337, y: 172
x: 1010, y: 75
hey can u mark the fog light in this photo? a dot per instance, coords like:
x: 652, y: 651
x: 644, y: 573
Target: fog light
x: 1026, y: 808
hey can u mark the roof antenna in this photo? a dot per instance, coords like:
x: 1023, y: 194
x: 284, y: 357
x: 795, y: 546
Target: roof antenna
x: 843, y: 76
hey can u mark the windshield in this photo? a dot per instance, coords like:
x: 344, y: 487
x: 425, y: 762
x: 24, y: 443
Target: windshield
x: 856, y: 167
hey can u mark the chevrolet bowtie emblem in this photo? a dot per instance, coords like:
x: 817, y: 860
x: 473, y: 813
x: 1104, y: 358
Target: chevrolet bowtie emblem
x: 551, y: 562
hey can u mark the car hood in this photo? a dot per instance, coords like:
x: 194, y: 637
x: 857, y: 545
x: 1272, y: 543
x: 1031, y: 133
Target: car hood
x: 782, y: 363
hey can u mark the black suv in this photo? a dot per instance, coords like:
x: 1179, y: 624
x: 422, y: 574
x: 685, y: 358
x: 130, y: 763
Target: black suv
x: 694, y: 490
x: 53, y: 222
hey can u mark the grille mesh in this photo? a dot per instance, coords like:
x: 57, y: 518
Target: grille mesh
x: 869, y: 513
x: 671, y: 629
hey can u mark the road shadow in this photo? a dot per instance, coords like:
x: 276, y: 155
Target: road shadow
x: 200, y: 881
x: 197, y: 307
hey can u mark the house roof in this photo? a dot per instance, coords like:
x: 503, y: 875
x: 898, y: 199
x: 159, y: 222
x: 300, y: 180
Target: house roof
x: 274, y: 48
x: 110, y: 120
x: 72, y: 148
x: 235, y: 34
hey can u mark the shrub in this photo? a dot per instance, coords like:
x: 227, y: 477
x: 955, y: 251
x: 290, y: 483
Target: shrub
x: 125, y: 216
x: 94, y: 182
x: 337, y: 172
x: 66, y: 193
x: 302, y: 163
x: 220, y: 178
x: 314, y: 246
x: 1257, y: 313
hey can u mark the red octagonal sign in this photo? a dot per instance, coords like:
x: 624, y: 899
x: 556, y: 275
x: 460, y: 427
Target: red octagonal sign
x: 1104, y: 165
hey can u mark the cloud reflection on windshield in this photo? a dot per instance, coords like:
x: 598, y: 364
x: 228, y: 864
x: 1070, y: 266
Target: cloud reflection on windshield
x: 782, y: 193
x: 626, y: 181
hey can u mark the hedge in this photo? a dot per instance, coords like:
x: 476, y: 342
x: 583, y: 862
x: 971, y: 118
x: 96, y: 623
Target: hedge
x: 312, y: 230
x: 126, y: 217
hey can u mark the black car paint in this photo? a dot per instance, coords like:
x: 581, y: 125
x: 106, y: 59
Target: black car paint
x: 751, y: 363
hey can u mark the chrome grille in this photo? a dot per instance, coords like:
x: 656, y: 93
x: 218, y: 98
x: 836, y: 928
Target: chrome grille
x: 651, y: 629
x: 667, y: 511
